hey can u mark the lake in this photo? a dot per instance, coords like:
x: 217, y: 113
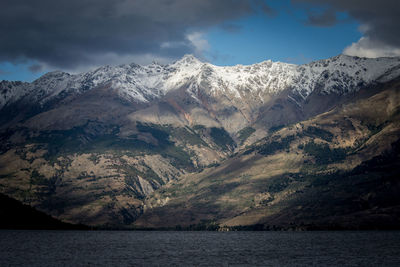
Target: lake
x: 141, y: 248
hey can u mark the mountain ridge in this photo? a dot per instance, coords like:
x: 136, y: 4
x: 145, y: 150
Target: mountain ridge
x: 105, y: 147
x: 144, y: 83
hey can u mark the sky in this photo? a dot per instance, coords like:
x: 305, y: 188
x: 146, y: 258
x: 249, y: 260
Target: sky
x: 79, y: 35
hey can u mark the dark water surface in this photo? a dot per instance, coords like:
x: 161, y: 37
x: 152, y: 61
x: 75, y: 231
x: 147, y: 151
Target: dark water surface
x: 136, y: 248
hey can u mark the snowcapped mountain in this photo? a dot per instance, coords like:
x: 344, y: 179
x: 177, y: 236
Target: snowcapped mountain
x: 12, y: 91
x: 341, y: 74
x: 95, y: 147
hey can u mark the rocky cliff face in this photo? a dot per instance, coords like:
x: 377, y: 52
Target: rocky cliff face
x: 102, y: 147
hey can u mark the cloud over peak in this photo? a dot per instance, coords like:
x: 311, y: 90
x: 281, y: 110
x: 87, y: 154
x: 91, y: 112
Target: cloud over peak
x: 380, y: 23
x: 365, y: 47
x: 77, y: 33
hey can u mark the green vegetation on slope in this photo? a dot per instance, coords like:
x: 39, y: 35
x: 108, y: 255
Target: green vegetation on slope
x: 275, y: 128
x: 270, y: 148
x: 221, y: 138
x: 187, y: 136
x: 323, y: 154
x: 312, y: 131
x: 98, y: 138
x: 244, y: 133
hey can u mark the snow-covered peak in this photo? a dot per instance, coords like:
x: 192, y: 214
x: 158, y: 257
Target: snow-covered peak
x: 11, y: 91
x: 187, y: 60
x: 270, y: 77
x: 52, y: 75
x: 340, y: 74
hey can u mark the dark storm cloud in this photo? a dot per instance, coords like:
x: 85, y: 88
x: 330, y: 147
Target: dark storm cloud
x: 70, y: 33
x: 35, y: 68
x: 324, y: 19
x: 380, y: 19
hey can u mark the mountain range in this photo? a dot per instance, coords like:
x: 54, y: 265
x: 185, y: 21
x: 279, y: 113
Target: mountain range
x: 193, y: 145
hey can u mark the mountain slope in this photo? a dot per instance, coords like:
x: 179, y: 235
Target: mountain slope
x: 337, y: 170
x: 15, y: 215
x: 99, y: 147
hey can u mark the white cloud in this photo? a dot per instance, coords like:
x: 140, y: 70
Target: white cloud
x: 168, y: 45
x: 365, y: 47
x: 198, y: 41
